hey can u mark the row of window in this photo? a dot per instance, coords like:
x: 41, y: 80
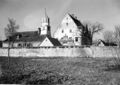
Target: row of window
x: 24, y: 45
x: 70, y: 38
x: 69, y: 31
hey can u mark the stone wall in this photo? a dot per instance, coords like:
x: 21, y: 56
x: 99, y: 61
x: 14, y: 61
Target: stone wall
x: 44, y: 52
x: 3, y: 52
x: 103, y: 51
x: 62, y: 52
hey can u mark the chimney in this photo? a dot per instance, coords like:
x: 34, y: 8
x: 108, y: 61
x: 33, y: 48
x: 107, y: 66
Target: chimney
x: 73, y: 15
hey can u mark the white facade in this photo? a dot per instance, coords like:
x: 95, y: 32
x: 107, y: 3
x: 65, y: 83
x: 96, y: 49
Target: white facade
x: 5, y: 45
x: 46, y: 42
x: 69, y: 29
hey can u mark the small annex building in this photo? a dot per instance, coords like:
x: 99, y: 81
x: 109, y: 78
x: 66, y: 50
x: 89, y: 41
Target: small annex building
x: 98, y: 43
x: 103, y: 43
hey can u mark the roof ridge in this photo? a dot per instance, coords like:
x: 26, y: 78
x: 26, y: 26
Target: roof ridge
x: 76, y: 21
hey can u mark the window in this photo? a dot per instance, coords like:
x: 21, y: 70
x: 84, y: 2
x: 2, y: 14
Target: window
x: 66, y: 24
x: 48, y: 28
x: 29, y: 45
x: 67, y: 18
x: 70, y: 30
x: 19, y: 45
x: 18, y: 37
x: 70, y: 37
x: 62, y: 31
x: 76, y: 39
x: 25, y: 44
x: 43, y: 28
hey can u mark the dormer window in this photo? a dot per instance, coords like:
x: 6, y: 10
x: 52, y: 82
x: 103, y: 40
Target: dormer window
x: 18, y: 37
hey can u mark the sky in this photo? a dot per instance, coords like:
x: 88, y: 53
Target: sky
x: 28, y: 13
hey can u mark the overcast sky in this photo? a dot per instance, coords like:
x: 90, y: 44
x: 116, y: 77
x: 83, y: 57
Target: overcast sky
x: 28, y: 13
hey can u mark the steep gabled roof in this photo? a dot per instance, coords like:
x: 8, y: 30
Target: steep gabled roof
x: 54, y: 41
x: 28, y: 36
x: 27, y: 33
x: 28, y: 39
x: 31, y: 38
x: 109, y: 44
x: 105, y: 43
x: 77, y: 22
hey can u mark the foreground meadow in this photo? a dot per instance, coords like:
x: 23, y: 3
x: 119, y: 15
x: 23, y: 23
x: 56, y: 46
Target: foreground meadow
x: 60, y: 71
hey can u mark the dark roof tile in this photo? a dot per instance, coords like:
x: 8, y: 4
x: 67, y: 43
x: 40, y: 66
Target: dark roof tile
x: 26, y: 36
x: 77, y: 22
x: 54, y: 41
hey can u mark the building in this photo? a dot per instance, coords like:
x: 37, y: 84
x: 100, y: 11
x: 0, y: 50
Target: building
x: 108, y: 43
x: 71, y: 31
x: 103, y: 43
x: 98, y: 43
x: 41, y: 37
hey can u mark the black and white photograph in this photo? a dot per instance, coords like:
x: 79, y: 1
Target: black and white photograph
x: 60, y: 42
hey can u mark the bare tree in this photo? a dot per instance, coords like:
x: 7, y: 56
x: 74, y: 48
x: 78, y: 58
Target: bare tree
x: 93, y: 29
x: 9, y: 32
x: 11, y: 28
x: 117, y: 40
x: 117, y: 34
x: 109, y: 36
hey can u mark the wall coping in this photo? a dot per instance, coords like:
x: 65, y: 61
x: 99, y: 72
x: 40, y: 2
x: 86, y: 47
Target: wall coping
x: 48, y: 47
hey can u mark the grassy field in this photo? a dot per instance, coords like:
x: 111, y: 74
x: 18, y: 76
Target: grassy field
x: 59, y: 71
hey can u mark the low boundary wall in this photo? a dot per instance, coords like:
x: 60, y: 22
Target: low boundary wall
x: 66, y: 51
x: 108, y: 51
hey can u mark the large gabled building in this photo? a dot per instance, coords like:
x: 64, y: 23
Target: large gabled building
x: 71, y: 31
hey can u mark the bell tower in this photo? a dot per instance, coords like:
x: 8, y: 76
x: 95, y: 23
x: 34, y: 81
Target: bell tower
x: 45, y: 25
